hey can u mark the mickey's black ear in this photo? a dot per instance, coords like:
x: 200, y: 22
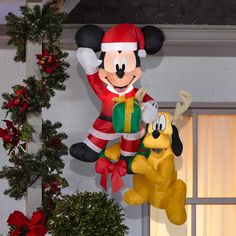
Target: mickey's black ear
x: 177, y: 145
x: 154, y: 39
x: 89, y: 36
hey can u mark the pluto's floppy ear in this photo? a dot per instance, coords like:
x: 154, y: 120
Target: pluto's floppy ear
x: 89, y: 36
x: 177, y: 145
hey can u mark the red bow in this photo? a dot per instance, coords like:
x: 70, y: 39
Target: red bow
x: 118, y: 169
x: 52, y: 186
x: 10, y: 135
x: 48, y: 62
x: 21, y: 99
x: 34, y: 227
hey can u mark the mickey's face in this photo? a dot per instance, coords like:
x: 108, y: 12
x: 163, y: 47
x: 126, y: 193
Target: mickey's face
x: 120, y: 69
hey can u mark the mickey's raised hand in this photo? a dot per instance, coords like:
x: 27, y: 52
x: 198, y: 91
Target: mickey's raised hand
x: 88, y: 60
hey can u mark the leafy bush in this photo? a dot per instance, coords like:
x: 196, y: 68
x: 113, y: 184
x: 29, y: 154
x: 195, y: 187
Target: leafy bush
x: 87, y: 214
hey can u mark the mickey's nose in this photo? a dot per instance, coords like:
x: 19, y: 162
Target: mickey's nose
x: 155, y: 134
x: 120, y: 71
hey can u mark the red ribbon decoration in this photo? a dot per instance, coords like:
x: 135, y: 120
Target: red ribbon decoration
x: 104, y: 167
x: 34, y: 227
x: 21, y: 100
x: 48, y: 62
x: 10, y: 134
x: 52, y: 186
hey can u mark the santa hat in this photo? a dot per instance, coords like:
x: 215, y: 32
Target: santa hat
x: 124, y: 37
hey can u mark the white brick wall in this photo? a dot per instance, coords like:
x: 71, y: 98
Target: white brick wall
x: 209, y: 79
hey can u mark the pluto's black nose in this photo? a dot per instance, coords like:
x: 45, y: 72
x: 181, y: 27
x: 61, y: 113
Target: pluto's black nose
x: 155, y: 134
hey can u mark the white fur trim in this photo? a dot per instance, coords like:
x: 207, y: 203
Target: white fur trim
x: 105, y: 136
x: 92, y: 145
x: 125, y: 153
x: 134, y: 136
x: 128, y: 46
x: 149, y: 111
x: 91, y: 71
x: 142, y: 53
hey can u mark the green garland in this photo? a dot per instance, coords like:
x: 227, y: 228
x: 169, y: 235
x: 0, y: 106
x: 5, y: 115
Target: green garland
x: 41, y: 26
x: 86, y: 213
x: 46, y: 162
x: 37, y: 25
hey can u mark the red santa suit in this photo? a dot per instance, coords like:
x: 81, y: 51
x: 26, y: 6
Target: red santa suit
x: 123, y: 37
x: 102, y: 130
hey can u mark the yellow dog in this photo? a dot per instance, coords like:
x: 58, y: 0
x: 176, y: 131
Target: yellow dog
x: 155, y: 178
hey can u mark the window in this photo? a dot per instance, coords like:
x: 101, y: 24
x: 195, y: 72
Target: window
x: 207, y: 166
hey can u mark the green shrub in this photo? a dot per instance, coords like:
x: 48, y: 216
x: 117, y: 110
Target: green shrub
x: 87, y: 214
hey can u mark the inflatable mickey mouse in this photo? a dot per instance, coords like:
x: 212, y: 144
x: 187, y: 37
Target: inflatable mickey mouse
x: 113, y: 75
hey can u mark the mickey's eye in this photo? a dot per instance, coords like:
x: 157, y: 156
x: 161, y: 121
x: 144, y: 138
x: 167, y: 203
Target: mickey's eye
x: 162, y: 123
x: 123, y: 61
x: 116, y: 63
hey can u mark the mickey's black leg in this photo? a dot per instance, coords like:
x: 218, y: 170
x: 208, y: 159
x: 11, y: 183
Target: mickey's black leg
x: 82, y: 152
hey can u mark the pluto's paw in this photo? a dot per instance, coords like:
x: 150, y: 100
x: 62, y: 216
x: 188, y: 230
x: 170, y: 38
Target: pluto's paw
x: 133, y: 198
x: 140, y: 165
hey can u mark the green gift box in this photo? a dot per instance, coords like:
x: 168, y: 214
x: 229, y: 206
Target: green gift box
x: 126, y: 115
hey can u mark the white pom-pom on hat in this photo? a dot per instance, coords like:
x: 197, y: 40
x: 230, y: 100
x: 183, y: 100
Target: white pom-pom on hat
x: 142, y: 53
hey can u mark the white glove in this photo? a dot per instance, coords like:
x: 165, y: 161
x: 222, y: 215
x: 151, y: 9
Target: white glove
x: 88, y: 60
x: 149, y: 111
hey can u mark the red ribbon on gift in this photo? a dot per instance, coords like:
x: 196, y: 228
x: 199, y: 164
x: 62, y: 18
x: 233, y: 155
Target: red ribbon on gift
x: 104, y: 167
x: 34, y: 227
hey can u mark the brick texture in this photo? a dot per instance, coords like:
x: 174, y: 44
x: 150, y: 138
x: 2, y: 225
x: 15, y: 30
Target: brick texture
x: 230, y: 11
x: 212, y: 12
x: 230, y: 20
x: 210, y: 3
x: 187, y: 20
x: 204, y: 11
x: 103, y: 19
x: 214, y: 20
x: 179, y: 2
x: 161, y: 19
x: 154, y: 11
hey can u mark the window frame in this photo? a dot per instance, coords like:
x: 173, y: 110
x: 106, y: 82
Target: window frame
x: 195, y: 110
